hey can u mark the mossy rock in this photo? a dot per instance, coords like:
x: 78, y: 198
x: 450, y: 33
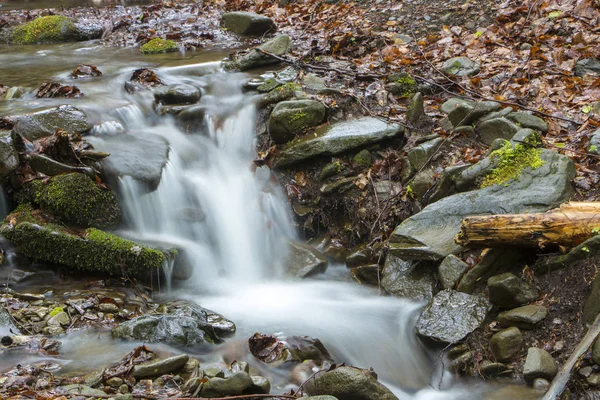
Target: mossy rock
x: 73, y: 198
x: 91, y: 250
x: 49, y: 29
x: 292, y: 117
x: 158, y: 45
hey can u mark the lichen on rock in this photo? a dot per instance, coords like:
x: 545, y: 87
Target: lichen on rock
x: 51, y: 28
x: 512, y: 160
x: 158, y: 45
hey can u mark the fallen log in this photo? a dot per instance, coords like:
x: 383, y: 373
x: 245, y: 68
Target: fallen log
x: 567, y: 226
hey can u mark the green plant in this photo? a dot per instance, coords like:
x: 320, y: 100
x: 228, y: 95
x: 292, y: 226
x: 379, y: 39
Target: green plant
x: 511, y: 161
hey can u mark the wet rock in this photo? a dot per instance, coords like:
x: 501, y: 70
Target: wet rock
x: 271, y: 349
x: 526, y: 317
x: 450, y: 271
x: 460, y: 66
x: 493, y: 260
x: 187, y: 326
x: 419, y: 155
x: 260, y: 384
x: 278, y: 46
x: 367, y: 274
x: 407, y: 280
x: 526, y: 120
x: 74, y: 198
x: 416, y: 108
x: 233, y: 385
x: 587, y: 66
x: 247, y: 23
x: 496, y: 128
x: 61, y: 318
x: 360, y: 255
x: 491, y: 369
x: 304, y: 260
x: 177, y: 94
x: 507, y: 291
x: 160, y: 367
x: 348, y: 383
x: 50, y: 90
x: 539, y: 364
x: 479, y: 110
x: 430, y: 233
x: 158, y: 46
x: 9, y: 158
x: 331, y: 169
x: 85, y: 70
x: 506, y: 344
x: 338, y: 138
x: 277, y: 95
x: 315, y: 84
x: 50, y: 29
x: 6, y: 322
x: 451, y: 315
x: 290, y: 118
x: 45, y: 123
x: 141, y: 159
x: 446, y: 184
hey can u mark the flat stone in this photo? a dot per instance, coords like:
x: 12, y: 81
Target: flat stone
x: 407, y: 280
x: 506, y: 344
x: 304, y: 260
x: 419, y: 155
x: 460, y: 66
x: 61, y: 318
x: 496, y: 128
x: 526, y: 317
x: 82, y: 390
x: 539, y: 364
x: 45, y: 123
x: 248, y: 23
x: 450, y: 316
x: 338, y: 138
x: 454, y: 103
x: 526, y: 120
x: 491, y: 369
x: 507, y: 291
x: 450, y: 270
x: 160, y: 367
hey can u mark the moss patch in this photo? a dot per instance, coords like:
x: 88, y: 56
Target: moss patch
x: 511, y: 161
x: 52, y: 28
x: 74, y: 198
x: 158, y: 45
x: 90, y: 250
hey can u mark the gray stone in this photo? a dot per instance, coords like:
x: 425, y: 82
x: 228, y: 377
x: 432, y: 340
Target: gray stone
x: 530, y: 137
x: 459, y: 112
x: 594, y: 147
x: 507, y: 291
x: 9, y: 158
x: 160, y: 367
x: 325, y: 397
x: 82, y: 390
x: 416, y: 108
x: 360, y: 255
x: 290, y: 118
x: 506, y: 344
x: 460, y: 66
x: 526, y: 120
x: 363, y: 159
x: 453, y: 103
x: 540, y: 384
x: 331, y: 169
x: 247, y: 23
x: 141, y: 159
x: 539, y: 364
x: 450, y: 316
x: 430, y: 233
x: 596, y: 352
x: 367, y: 274
x: 348, y: 383
x: 526, y: 317
x: 386, y: 189
x: 61, y: 318
x: 304, y: 260
x: 278, y: 46
x: 496, y: 128
x: 422, y: 182
x: 339, y: 186
x: 261, y: 384
x: 419, y: 155
x: 177, y: 94
x: 585, y: 250
x: 407, y: 280
x: 587, y: 66
x: 479, y: 110
x: 45, y: 123
x: 446, y: 184
x: 233, y: 385
x: 6, y: 323
x: 450, y: 271
x: 490, y: 369
x: 496, y: 114
x: 315, y: 84
x: 338, y: 138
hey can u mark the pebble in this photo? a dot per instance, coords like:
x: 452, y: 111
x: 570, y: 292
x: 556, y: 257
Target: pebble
x: 541, y: 384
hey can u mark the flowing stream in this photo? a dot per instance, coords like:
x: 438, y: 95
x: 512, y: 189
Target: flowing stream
x: 237, y: 248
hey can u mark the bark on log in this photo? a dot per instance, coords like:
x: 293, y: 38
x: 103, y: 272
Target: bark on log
x: 568, y: 226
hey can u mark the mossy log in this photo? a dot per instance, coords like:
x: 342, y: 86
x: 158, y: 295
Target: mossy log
x: 568, y: 226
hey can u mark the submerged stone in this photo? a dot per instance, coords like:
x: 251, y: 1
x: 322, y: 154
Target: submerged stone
x: 45, y: 123
x: 338, y: 138
x: 248, y: 23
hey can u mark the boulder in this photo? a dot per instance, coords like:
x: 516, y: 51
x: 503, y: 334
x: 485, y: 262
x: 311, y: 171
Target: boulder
x: 507, y: 291
x: 539, y: 364
x: 497, y: 128
x: 304, y: 260
x: 338, y: 138
x: 91, y: 250
x: 73, y: 198
x: 158, y: 46
x: 177, y: 94
x: 506, y: 344
x: 233, y: 385
x: 526, y: 317
x: 419, y: 155
x: 248, y: 23
x: 430, y: 233
x: 450, y: 316
x: 407, y: 280
x: 160, y: 367
x: 526, y: 120
x: 460, y: 66
x: 186, y: 326
x: 278, y: 46
x: 45, y: 123
x: 9, y: 158
x: 450, y: 270
x: 290, y: 118
x: 140, y: 158
x: 348, y: 383
x: 52, y: 29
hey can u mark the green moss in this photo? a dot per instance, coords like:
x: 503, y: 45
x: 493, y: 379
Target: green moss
x: 74, y: 198
x: 56, y: 310
x: 53, y: 28
x: 407, y: 84
x: 511, y: 161
x: 296, y: 117
x: 158, y: 45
